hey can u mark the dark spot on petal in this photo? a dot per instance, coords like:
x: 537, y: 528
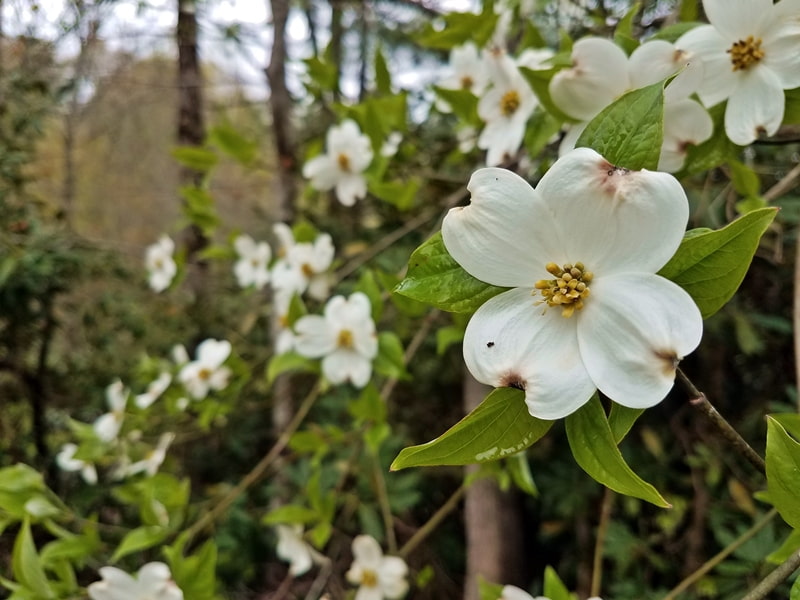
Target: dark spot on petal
x: 668, y: 359
x: 512, y: 380
x: 489, y: 344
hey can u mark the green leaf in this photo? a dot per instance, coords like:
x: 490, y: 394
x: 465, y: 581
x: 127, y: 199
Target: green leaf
x: 520, y: 471
x: 390, y: 360
x: 621, y: 419
x: 790, y: 422
x: 500, y: 426
x: 290, y: 513
x: 138, y: 539
x: 541, y: 128
x: 368, y: 285
x: 460, y: 28
x: 794, y: 593
x: 791, y: 113
x: 383, y: 79
x: 629, y: 132
x: 671, y: 33
x: 790, y: 545
x: 783, y: 472
x: 27, y: 564
x: 436, y: 278
x: 595, y: 450
x: 554, y: 588
x: 447, y: 336
x: 199, y: 159
x: 233, y: 143
x: 399, y: 193
x: 488, y: 590
x: 539, y: 80
x: 196, y: 574
x: 711, y: 265
x: 368, y: 406
x: 744, y: 179
x: 290, y: 362
x: 623, y: 34
x: 463, y: 103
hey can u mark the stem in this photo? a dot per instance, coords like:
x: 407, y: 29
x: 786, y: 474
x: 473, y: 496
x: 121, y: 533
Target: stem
x: 258, y: 471
x: 383, y: 502
x: 796, y: 316
x: 771, y: 581
x: 699, y: 400
x: 602, y: 531
x: 433, y: 522
x: 719, y: 557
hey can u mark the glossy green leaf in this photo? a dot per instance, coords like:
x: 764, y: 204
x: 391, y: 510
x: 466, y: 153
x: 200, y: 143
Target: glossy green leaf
x: 195, y: 574
x: 783, y: 472
x: 595, y: 450
x: 383, y: 79
x: 628, y: 133
x: 27, y: 564
x: 621, y: 419
x: 139, y: 539
x: 711, y: 265
x: 519, y: 468
x: 789, y: 546
x: 488, y: 590
x: 436, y: 278
x: 500, y: 426
x: 554, y: 588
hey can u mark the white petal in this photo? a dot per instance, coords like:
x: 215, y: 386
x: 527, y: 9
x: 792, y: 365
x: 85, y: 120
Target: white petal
x: 369, y: 593
x: 315, y: 337
x: 719, y: 78
x: 618, y: 220
x: 572, y: 132
x: 322, y: 256
x: 737, y: 19
x: 322, y: 171
x: 653, y: 61
x: 367, y: 552
x: 212, y: 353
x: 285, y: 236
x: 756, y: 106
x: 685, y: 123
x: 351, y: 187
x: 245, y: 245
x: 511, y: 592
x: 780, y: 53
x: 501, y: 138
x: 505, y: 236
x: 634, y: 329
x: 599, y: 75
x: 153, y: 575
x: 511, y: 342
x: 107, y: 426
x: 346, y: 365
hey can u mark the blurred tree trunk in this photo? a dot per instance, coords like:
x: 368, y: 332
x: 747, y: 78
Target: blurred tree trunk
x: 492, y: 521
x: 191, y: 132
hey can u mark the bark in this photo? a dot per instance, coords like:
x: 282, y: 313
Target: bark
x: 493, y: 522
x: 337, y: 31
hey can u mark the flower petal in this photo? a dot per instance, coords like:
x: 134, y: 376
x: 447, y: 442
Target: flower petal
x: 212, y: 353
x: 346, y: 365
x: 351, y: 187
x: 323, y: 172
x: 632, y: 332
x: 686, y: 123
x: 757, y: 106
x: 505, y: 236
x: 737, y: 19
x: 367, y: 552
x: 315, y: 336
x: 781, y: 52
x: 618, y: 220
x: 719, y: 78
x: 510, y: 342
x: 511, y: 592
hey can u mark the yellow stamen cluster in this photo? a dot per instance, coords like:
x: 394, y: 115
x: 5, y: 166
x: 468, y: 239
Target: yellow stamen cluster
x: 344, y: 161
x: 345, y: 339
x: 204, y: 374
x: 745, y: 52
x: 307, y: 270
x: 568, y: 290
x: 466, y: 82
x: 369, y: 578
x: 509, y: 103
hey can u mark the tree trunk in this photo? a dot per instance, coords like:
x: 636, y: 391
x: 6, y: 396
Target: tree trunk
x: 492, y: 520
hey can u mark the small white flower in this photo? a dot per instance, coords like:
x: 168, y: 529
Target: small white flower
x: 391, y: 145
x: 160, y: 265
x: 505, y: 108
x: 294, y: 549
x: 344, y: 337
x: 107, y: 426
x: 467, y: 71
x: 66, y: 461
x: 304, y: 267
x: 284, y: 337
x: 154, y: 390
x: 152, y: 582
x: 252, y: 268
x: 587, y: 225
x: 154, y: 459
x: 179, y: 355
x: 377, y: 576
x: 349, y: 153
x: 207, y: 372
x: 750, y: 52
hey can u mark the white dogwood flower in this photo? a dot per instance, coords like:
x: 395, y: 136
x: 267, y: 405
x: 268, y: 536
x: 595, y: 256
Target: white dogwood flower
x: 392, y: 144
x: 66, y: 461
x: 252, y: 268
x: 349, y: 153
x: 467, y: 70
x: 505, y: 108
x: 154, y: 390
x: 377, y: 576
x: 152, y: 582
x: 107, y: 426
x: 294, y: 549
x: 152, y: 461
x: 750, y: 51
x: 344, y: 338
x: 304, y: 267
x: 207, y: 371
x: 160, y: 265
x: 588, y: 225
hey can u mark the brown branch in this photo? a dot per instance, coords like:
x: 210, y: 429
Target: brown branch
x: 775, y: 578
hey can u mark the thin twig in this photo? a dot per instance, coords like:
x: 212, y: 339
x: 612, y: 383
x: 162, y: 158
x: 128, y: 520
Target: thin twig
x: 383, y: 503
x: 796, y: 315
x: 432, y: 523
x: 699, y: 400
x: 599, y: 546
x: 774, y: 579
x: 785, y: 184
x: 720, y: 556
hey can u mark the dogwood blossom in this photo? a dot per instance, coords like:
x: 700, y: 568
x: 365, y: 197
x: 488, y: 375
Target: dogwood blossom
x: 152, y: 582
x: 207, y: 372
x: 750, y: 51
x: 252, y: 268
x: 152, y: 461
x: 107, y: 426
x: 66, y: 461
x: 377, y: 576
x: 601, y: 73
x: 294, y: 549
x: 303, y: 267
x: 344, y: 337
x: 160, y: 265
x: 349, y: 153
x: 154, y: 390
x: 467, y: 70
x: 587, y: 225
x: 392, y: 144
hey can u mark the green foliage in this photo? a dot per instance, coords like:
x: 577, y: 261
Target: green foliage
x: 458, y: 29
x: 500, y: 426
x: 783, y: 472
x: 554, y: 588
x: 710, y: 265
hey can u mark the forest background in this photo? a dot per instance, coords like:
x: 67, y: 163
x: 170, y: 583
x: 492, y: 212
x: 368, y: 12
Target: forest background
x: 96, y: 164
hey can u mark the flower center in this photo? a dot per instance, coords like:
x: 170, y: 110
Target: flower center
x: 568, y: 290
x: 344, y: 161
x: 307, y: 270
x: 466, y: 82
x: 369, y: 578
x: 745, y: 52
x: 345, y: 339
x: 204, y: 374
x: 509, y: 103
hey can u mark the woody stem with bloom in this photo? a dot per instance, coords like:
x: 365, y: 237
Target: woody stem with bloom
x: 699, y: 400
